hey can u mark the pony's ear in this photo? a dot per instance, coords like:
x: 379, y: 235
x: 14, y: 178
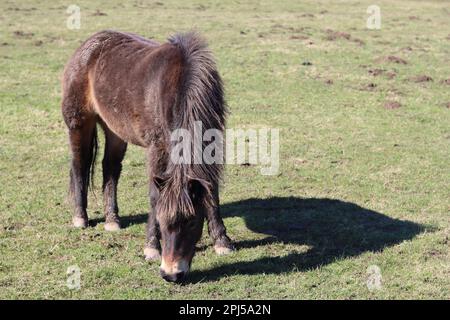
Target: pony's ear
x: 199, y: 186
x: 159, y: 182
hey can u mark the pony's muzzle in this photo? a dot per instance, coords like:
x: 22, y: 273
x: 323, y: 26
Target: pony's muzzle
x: 175, y: 271
x: 177, y: 277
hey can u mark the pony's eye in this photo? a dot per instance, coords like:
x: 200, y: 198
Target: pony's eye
x: 191, y: 224
x: 193, y: 194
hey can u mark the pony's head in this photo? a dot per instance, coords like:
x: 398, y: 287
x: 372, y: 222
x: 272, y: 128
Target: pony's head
x: 181, y: 206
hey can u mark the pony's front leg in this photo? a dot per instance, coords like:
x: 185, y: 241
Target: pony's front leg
x: 152, y: 245
x: 216, y: 228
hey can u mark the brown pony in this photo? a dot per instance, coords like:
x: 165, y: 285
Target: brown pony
x: 139, y: 91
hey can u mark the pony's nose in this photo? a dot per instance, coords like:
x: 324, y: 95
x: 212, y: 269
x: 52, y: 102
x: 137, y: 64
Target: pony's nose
x: 176, y: 277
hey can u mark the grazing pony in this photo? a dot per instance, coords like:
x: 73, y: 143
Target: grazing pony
x: 140, y: 91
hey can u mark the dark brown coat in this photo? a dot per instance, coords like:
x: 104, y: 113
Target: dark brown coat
x: 139, y: 91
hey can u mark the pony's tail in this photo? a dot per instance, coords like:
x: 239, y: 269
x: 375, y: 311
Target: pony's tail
x: 92, y: 159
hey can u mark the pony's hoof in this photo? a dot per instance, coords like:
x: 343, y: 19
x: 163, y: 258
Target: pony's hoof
x: 221, y: 250
x: 151, y: 254
x: 79, y: 222
x: 112, y: 226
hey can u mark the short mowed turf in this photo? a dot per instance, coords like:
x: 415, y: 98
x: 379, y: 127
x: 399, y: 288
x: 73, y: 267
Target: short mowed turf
x: 363, y: 184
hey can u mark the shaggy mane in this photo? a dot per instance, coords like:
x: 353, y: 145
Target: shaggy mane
x: 201, y: 99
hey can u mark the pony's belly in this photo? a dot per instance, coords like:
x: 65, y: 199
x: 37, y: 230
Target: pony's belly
x: 123, y: 131
x: 118, y: 121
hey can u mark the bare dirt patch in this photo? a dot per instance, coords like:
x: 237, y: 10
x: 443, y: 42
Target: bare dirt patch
x: 394, y: 92
x: 359, y: 41
x: 392, y: 105
x: 376, y: 72
x: 369, y: 87
x: 279, y: 26
x: 391, y: 74
x: 98, y: 13
x: 299, y: 37
x: 21, y: 9
x: 421, y: 78
x: 332, y: 35
x: 384, y: 42
x: 23, y: 34
x: 392, y: 59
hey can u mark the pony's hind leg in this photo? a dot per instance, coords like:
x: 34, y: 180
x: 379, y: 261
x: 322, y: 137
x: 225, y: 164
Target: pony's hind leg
x: 115, y: 149
x: 83, y: 143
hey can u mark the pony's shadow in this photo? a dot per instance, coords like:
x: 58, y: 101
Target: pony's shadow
x: 329, y: 229
x: 125, y: 221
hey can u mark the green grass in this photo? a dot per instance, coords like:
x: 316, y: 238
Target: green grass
x: 359, y: 184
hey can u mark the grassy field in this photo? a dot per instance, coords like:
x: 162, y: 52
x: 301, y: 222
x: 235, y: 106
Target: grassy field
x: 364, y: 118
